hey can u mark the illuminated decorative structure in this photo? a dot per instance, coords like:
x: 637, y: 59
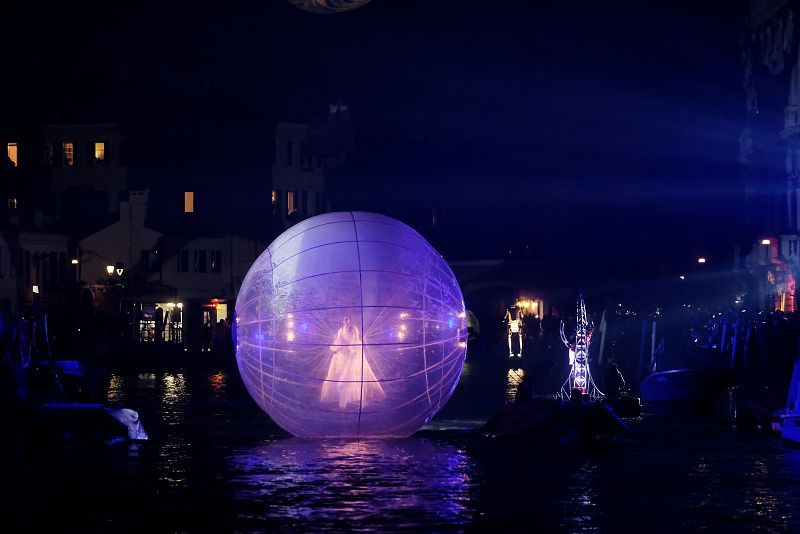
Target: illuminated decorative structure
x: 326, y: 7
x: 513, y: 319
x: 350, y: 325
x: 580, y: 376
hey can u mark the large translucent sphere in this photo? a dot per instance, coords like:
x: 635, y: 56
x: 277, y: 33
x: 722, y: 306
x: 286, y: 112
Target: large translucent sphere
x: 350, y: 324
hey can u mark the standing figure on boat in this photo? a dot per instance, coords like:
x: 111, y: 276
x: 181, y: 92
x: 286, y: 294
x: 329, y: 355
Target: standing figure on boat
x: 513, y: 320
x: 350, y: 378
x: 614, y: 382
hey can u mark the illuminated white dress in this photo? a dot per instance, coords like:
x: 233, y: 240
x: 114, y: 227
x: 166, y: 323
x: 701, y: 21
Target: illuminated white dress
x: 343, y: 384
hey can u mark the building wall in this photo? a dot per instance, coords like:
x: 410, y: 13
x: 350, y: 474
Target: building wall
x: 108, y: 176
x: 122, y: 241
x: 297, y: 170
x: 197, y: 280
x: 29, y: 259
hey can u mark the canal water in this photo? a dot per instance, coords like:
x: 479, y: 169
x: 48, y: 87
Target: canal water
x: 216, y: 463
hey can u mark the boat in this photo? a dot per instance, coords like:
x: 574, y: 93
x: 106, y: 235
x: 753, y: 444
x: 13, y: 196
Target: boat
x: 66, y: 424
x: 787, y: 421
x: 692, y: 389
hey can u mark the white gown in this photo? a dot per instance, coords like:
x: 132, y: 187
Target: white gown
x: 343, y: 384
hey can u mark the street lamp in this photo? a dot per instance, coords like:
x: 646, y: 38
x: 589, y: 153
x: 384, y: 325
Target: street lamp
x: 766, y: 242
x: 120, y: 268
x: 74, y: 261
x: 701, y: 260
x: 110, y: 269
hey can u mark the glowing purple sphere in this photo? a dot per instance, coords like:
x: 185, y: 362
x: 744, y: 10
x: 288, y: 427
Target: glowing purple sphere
x: 350, y: 325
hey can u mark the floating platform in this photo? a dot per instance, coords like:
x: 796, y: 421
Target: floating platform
x: 555, y: 421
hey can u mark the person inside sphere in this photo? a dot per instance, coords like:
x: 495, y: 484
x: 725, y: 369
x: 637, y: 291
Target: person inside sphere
x: 350, y: 378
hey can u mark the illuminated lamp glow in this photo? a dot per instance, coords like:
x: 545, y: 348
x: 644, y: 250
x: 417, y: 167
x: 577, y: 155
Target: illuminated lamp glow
x: 36, y: 289
x: 354, y: 372
x: 701, y: 260
x: 110, y: 269
x: 765, y: 241
x: 74, y: 261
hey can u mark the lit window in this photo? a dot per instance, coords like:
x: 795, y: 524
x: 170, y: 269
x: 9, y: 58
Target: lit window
x: 69, y: 154
x: 291, y: 202
x: 12, y: 153
x: 99, y: 153
x: 12, y: 203
x: 188, y: 202
x: 274, y: 197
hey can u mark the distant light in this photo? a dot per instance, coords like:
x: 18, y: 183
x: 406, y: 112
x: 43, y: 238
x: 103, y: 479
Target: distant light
x: 188, y: 202
x: 462, y: 344
x: 290, y: 336
x: 74, y: 261
x: 110, y: 269
x: 120, y: 270
x: 36, y: 289
x: 682, y: 277
x: 701, y: 260
x: 11, y: 151
x: 180, y: 305
x: 462, y: 315
x: 765, y: 241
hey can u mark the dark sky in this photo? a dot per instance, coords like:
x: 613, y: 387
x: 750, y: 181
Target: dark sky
x: 612, y: 124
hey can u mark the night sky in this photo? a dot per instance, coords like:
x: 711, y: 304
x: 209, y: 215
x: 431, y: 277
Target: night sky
x: 599, y: 133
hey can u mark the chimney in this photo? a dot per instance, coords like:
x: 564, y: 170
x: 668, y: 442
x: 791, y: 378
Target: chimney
x: 138, y: 205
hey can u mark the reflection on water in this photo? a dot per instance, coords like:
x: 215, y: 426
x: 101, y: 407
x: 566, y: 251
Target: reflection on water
x: 215, y: 463
x: 218, y: 382
x: 117, y: 390
x: 579, y: 508
x: 176, y: 447
x: 406, y: 483
x: 513, y: 380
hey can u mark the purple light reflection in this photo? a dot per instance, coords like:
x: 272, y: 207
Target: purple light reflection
x: 336, y: 483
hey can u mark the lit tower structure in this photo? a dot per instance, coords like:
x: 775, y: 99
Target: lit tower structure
x: 580, y: 376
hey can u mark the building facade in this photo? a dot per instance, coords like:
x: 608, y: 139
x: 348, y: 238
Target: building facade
x: 298, y: 177
x: 769, y: 150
